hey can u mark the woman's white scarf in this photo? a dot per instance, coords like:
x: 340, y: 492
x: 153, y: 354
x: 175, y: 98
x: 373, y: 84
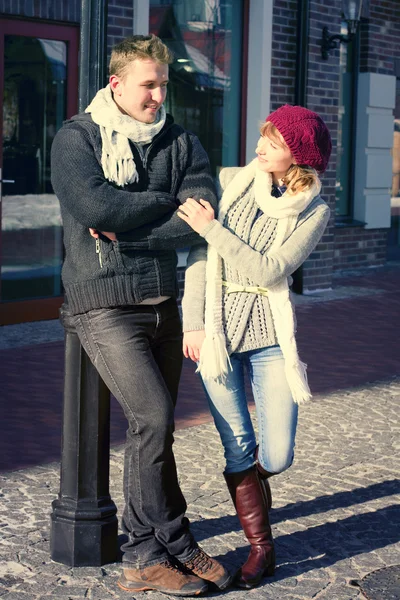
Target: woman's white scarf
x: 116, y: 130
x: 214, y: 359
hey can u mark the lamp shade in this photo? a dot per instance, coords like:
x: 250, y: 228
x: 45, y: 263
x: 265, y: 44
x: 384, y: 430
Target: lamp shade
x: 352, y: 9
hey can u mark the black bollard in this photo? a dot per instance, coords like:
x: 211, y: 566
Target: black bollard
x: 84, y: 525
x: 83, y: 522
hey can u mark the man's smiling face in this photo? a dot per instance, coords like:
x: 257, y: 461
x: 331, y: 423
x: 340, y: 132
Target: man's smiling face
x: 142, y: 89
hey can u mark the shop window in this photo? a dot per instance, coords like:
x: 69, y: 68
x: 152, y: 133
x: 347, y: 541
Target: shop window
x: 38, y: 76
x: 205, y: 79
x: 34, y: 106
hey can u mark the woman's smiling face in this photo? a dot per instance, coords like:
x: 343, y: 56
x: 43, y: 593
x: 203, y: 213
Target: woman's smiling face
x: 273, y: 157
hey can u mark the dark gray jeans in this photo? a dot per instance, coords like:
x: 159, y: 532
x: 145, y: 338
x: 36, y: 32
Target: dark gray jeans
x: 137, y: 350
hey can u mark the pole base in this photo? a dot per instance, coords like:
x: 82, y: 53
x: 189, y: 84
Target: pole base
x: 80, y: 541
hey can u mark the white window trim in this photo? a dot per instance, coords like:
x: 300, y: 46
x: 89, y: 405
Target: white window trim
x: 141, y: 17
x: 374, y: 141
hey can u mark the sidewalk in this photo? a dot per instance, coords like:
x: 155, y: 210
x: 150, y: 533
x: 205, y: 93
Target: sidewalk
x: 335, y: 516
x: 348, y: 337
x: 336, y: 511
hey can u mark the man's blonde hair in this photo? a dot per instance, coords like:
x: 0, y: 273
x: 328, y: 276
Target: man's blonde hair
x: 298, y: 177
x: 140, y: 47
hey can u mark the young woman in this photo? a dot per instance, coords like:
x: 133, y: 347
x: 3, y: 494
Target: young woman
x: 237, y: 312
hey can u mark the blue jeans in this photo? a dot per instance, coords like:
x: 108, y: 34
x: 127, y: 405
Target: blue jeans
x: 137, y: 350
x: 276, y: 411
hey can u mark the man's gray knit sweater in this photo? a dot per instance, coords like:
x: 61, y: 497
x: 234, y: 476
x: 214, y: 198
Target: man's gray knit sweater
x: 141, y: 264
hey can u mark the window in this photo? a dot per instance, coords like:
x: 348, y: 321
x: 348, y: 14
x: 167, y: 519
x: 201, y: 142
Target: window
x: 346, y: 126
x: 205, y: 79
x: 39, y: 79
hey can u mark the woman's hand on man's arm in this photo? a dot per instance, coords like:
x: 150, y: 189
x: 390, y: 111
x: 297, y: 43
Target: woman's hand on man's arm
x: 192, y: 343
x: 196, y: 214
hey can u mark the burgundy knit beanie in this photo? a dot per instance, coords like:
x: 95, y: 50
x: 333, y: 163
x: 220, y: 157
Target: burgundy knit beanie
x: 305, y: 134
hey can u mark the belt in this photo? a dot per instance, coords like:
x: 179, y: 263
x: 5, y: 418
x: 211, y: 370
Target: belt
x: 249, y: 289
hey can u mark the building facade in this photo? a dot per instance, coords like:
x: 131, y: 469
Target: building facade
x: 236, y: 61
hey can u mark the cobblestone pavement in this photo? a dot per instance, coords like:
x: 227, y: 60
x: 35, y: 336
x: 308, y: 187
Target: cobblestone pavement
x: 335, y: 517
x: 336, y: 511
x: 348, y: 336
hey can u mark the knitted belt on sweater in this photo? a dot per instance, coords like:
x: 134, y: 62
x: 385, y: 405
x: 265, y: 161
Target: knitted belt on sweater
x: 249, y: 289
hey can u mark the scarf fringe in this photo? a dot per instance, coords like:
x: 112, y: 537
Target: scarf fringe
x: 283, y: 317
x: 121, y: 171
x: 296, y: 376
x: 214, y: 360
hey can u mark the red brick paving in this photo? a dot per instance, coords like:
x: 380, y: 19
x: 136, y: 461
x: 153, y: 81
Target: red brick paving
x: 346, y: 343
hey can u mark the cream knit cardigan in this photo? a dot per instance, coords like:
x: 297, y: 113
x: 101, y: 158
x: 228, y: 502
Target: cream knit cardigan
x: 214, y: 360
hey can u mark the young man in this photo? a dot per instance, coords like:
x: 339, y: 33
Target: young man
x: 124, y: 167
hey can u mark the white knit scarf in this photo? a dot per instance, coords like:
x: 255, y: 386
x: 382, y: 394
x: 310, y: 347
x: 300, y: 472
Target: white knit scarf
x: 214, y: 360
x: 116, y: 129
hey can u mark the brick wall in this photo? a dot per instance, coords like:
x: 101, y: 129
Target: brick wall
x: 356, y: 248
x: 283, y: 53
x: 321, y: 96
x: 380, y: 39
x: 119, y: 22
x: 60, y: 10
x: 380, y: 46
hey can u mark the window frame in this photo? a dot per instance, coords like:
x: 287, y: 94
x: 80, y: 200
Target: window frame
x: 347, y: 220
x: 42, y: 308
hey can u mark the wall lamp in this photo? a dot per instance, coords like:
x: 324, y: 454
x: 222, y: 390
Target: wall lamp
x: 351, y: 10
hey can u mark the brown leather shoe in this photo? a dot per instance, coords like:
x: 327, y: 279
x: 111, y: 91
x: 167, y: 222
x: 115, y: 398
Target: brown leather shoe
x: 163, y: 577
x: 209, y: 569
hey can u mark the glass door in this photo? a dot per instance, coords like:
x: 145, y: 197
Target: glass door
x: 35, y: 83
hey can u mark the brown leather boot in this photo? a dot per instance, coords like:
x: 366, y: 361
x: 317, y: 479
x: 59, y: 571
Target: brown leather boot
x: 264, y: 476
x: 248, y: 497
x: 209, y: 569
x: 163, y: 577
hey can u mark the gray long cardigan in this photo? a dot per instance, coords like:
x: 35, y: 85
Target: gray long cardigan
x: 247, y: 318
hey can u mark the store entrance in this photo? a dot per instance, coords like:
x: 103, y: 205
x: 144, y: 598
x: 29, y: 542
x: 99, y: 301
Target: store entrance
x: 39, y: 85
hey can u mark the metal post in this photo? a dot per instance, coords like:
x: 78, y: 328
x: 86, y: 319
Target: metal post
x: 303, y: 27
x: 84, y: 525
x: 93, y: 50
x: 83, y: 522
